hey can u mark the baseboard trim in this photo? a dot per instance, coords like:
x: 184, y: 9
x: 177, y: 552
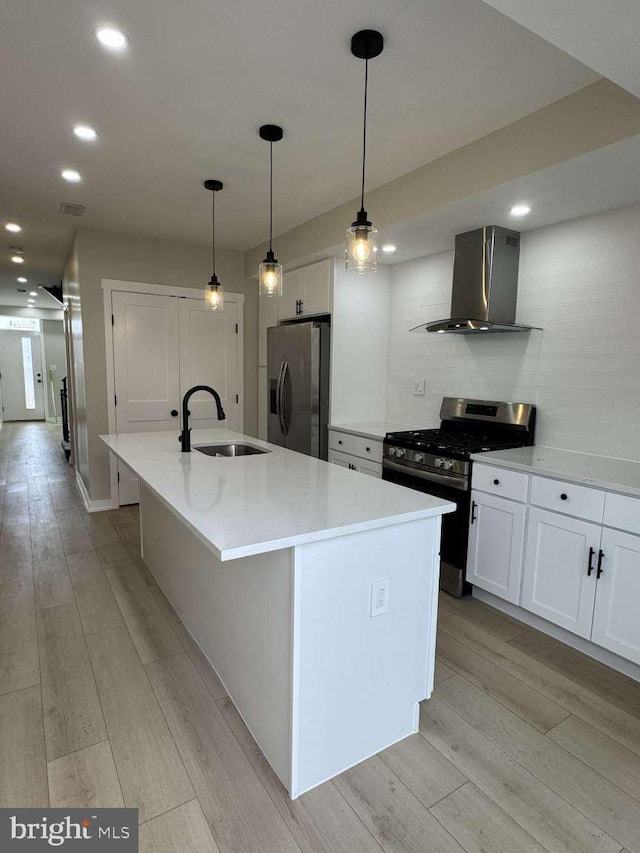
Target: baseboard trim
x: 626, y: 667
x: 89, y: 505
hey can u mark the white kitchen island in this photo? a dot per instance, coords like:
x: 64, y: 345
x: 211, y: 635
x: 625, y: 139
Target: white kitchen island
x: 272, y: 562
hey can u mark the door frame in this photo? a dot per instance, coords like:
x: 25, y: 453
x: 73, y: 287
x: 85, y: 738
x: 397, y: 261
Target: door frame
x: 109, y: 286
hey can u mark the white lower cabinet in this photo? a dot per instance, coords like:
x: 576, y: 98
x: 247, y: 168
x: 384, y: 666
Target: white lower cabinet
x: 346, y: 460
x: 496, y: 542
x: 572, y: 571
x: 616, y: 624
x: 560, y: 570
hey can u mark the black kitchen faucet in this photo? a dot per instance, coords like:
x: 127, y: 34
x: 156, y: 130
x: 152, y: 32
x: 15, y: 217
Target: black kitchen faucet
x: 185, y: 436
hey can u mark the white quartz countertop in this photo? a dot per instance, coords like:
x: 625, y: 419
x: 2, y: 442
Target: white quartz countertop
x: 376, y: 429
x: 603, y: 472
x: 253, y: 504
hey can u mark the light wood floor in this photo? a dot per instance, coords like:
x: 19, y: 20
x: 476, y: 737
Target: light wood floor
x: 104, y: 699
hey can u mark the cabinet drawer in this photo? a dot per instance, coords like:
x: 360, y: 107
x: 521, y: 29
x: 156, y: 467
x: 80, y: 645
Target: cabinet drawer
x: 500, y: 481
x: 371, y: 469
x: 558, y: 495
x: 622, y: 512
x: 367, y: 448
x: 342, y: 441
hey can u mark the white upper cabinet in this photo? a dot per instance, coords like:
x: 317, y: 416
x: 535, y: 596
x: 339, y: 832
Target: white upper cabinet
x: 616, y: 624
x: 496, y: 542
x: 560, y: 570
x: 306, y: 291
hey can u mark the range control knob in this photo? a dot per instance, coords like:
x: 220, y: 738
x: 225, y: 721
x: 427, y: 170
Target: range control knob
x: 447, y: 464
x: 392, y: 451
x: 400, y: 451
x: 419, y: 457
x: 439, y: 462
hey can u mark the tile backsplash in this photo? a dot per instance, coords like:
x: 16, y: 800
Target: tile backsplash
x: 580, y: 282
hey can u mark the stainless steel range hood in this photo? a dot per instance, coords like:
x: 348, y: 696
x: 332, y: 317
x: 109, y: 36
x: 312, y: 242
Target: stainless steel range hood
x: 485, y: 284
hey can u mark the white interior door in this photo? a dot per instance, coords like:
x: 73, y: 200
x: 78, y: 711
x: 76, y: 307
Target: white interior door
x: 21, y: 369
x: 209, y: 355
x: 146, y: 369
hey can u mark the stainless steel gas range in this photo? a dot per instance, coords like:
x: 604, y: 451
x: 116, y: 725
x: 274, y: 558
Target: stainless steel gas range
x: 437, y: 462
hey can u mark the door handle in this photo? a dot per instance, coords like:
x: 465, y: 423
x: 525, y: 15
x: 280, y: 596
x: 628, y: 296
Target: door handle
x: 284, y: 414
x: 174, y: 413
x: 590, y: 566
x: 279, y: 397
x: 599, y: 569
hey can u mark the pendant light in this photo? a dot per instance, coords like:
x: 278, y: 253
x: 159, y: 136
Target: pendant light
x: 270, y: 271
x: 214, y: 292
x: 362, y: 237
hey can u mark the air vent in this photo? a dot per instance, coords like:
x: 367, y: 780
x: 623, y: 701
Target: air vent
x: 512, y: 241
x: 72, y: 209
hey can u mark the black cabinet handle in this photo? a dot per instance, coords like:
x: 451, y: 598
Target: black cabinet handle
x: 174, y: 413
x: 496, y: 482
x: 599, y: 569
x: 473, y: 511
x: 563, y: 496
x: 590, y: 566
x: 368, y: 449
x: 301, y: 304
x: 339, y: 441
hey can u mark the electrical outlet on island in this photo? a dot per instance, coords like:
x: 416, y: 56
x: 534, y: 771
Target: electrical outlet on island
x: 379, y: 597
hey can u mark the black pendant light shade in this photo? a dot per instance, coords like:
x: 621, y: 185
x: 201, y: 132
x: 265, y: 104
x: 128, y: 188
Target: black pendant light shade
x: 362, y: 238
x: 270, y: 271
x: 214, y: 292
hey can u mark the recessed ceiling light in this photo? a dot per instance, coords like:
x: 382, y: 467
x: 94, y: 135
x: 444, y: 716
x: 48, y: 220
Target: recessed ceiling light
x: 520, y: 210
x: 111, y: 38
x: 31, y: 301
x: 33, y: 292
x: 71, y: 175
x: 389, y: 248
x: 84, y: 132
x: 13, y: 227
x: 22, y: 279
x: 17, y: 259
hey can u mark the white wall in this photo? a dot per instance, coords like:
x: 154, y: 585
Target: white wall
x: 579, y: 281
x: 360, y: 323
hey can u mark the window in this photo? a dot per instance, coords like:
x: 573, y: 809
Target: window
x: 27, y: 367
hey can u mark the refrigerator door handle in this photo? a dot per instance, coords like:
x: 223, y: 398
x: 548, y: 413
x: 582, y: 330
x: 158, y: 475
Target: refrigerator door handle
x: 279, y: 397
x: 285, y: 425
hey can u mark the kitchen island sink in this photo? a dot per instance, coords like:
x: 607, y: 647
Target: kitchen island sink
x: 311, y: 589
x: 230, y: 449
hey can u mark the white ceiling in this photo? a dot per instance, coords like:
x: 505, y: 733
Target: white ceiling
x: 185, y: 101
x: 600, y: 180
x: 601, y: 33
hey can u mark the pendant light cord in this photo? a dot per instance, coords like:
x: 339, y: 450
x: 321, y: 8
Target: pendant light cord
x: 213, y: 232
x: 364, y: 132
x: 270, y: 195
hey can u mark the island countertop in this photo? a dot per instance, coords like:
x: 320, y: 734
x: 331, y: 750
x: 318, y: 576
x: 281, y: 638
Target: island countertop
x: 248, y: 505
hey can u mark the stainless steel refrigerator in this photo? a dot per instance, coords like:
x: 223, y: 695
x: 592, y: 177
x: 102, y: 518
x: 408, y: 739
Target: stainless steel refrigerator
x: 298, y: 386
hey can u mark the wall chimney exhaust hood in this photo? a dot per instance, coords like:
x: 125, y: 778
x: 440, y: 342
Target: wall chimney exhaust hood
x: 485, y: 284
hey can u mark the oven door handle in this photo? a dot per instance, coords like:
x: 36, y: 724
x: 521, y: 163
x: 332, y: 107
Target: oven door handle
x: 459, y: 483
